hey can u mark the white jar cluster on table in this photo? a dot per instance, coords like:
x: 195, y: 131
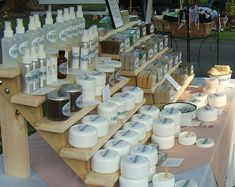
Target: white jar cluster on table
x: 163, y: 179
x: 108, y: 110
x: 134, y: 171
x: 164, y: 130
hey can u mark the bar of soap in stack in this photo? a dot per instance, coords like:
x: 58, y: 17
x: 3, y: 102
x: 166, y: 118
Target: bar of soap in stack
x: 120, y: 146
x: 207, y: 114
x: 217, y: 100
x: 151, y: 110
x: 128, y: 135
x: 138, y: 127
x: 137, y: 92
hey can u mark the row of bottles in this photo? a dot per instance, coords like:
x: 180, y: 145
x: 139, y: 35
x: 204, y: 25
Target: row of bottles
x: 66, y: 32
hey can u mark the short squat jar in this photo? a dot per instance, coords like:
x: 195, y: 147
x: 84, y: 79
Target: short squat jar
x: 58, y: 105
x: 75, y: 91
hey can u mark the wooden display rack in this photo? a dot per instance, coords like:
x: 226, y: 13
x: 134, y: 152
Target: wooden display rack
x: 17, y: 107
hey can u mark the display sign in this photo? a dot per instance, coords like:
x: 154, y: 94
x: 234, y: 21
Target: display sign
x: 115, y: 13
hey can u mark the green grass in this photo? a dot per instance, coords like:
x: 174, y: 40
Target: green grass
x: 227, y: 35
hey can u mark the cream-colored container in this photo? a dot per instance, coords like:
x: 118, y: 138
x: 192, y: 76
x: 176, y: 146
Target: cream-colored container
x: 146, y: 150
x: 207, y: 114
x: 108, y: 110
x: 129, y: 99
x: 135, y: 167
x: 128, y: 135
x: 217, y: 100
x: 121, y: 146
x: 105, y: 161
x: 164, y: 127
x: 138, y: 127
x: 201, y: 96
x: 163, y: 180
x: 137, y: 92
x: 121, y: 103
x: 151, y: 110
x: 163, y: 142
x: 117, y: 67
x: 145, y: 119
x: 108, y: 70
x: 125, y: 182
x: 99, y: 122
x: 82, y: 136
x: 100, y: 82
x: 187, y: 138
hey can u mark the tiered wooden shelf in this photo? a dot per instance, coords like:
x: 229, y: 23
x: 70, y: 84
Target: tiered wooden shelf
x: 110, y: 179
x: 86, y: 154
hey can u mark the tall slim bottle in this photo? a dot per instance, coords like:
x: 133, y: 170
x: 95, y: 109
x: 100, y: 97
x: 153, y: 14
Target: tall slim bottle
x: 61, y: 32
x: 36, y: 67
x: 42, y: 67
x: 9, y: 46
x: 73, y: 22
x: 69, y: 27
x: 39, y: 30
x: 80, y: 21
x: 32, y: 34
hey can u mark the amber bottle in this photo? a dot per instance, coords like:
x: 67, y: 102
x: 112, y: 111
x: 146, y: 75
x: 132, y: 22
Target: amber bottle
x: 62, y: 65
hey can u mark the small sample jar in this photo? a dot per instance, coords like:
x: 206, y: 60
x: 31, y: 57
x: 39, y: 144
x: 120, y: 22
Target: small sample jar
x: 121, y: 103
x: 108, y: 110
x: 187, y: 138
x: 151, y: 110
x: 75, y: 91
x: 117, y: 68
x: 164, y: 127
x: 137, y: 92
x: 109, y: 70
x: 58, y: 105
x: 128, y: 135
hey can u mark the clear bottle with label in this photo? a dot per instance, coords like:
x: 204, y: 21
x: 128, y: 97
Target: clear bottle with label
x: 32, y: 34
x: 42, y: 67
x: 61, y: 31
x: 49, y: 34
x: 69, y: 26
x: 62, y: 65
x: 74, y: 25
x: 39, y: 30
x: 20, y: 37
x: 36, y: 67
x: 9, y: 46
x: 27, y: 73
x: 80, y: 20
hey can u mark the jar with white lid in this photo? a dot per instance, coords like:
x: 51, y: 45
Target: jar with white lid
x: 163, y: 179
x: 108, y: 110
x: 137, y: 92
x: 108, y: 70
x: 166, y: 142
x: 117, y: 68
x: 82, y: 136
x: 125, y: 182
x: 121, y: 103
x: 151, y: 110
x: 129, y: 99
x: 164, y: 127
x: 121, y: 146
x: 58, y: 105
x: 138, y: 127
x: 128, y: 135
x: 99, y: 122
x: 202, y: 96
x: 100, y: 82
x: 75, y: 91
x: 145, y: 119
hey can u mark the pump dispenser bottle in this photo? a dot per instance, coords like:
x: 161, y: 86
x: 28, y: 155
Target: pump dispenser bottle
x: 9, y: 46
x: 35, y: 64
x: 49, y: 35
x: 39, y: 30
x: 20, y: 37
x: 42, y: 67
x: 32, y: 34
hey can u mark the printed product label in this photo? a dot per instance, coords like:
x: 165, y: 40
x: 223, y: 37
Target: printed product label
x: 36, y: 75
x: 13, y: 51
x: 152, y: 28
x: 70, y: 32
x: 150, y: 53
x: 51, y: 36
x: 75, y: 30
x: 63, y: 68
x: 29, y: 77
x: 155, y: 48
x: 161, y: 46
x: 114, y: 119
x: 75, y: 56
x: 79, y: 101
x: 22, y: 47
x: 63, y: 35
x: 122, y: 47
x: 66, y: 109
x: 35, y: 42
x: 42, y: 71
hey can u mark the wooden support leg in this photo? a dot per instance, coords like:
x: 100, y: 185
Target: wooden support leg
x: 14, y: 140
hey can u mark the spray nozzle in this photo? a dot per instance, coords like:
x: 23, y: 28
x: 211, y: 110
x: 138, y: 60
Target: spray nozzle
x: 59, y: 17
x: 71, y: 13
x: 20, y: 26
x: 8, y: 32
x: 41, y: 52
x: 49, y: 19
x: 27, y: 58
x: 32, y: 24
x: 37, y: 20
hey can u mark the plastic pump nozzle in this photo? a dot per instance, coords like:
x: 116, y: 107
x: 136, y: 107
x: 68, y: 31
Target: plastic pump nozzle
x: 8, y: 32
x: 32, y: 24
x: 20, y: 26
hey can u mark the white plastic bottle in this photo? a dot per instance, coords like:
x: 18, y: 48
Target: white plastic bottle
x: 42, y: 67
x: 36, y: 67
x: 32, y: 34
x: 49, y: 35
x: 9, y: 46
x: 74, y: 24
x: 69, y: 27
x: 20, y: 37
x: 80, y: 20
x: 61, y: 31
x: 39, y: 30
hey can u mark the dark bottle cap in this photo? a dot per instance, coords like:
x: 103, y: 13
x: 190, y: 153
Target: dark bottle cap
x: 62, y: 52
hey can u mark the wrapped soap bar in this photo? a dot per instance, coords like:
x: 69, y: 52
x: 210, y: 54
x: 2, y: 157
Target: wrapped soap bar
x: 137, y: 30
x: 142, y: 28
x: 154, y: 44
x: 165, y: 41
x: 149, y: 28
x: 131, y: 35
x: 107, y: 46
x: 125, y: 37
x: 134, y: 61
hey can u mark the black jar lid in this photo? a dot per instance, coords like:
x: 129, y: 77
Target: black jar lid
x: 71, y: 88
x: 58, y: 95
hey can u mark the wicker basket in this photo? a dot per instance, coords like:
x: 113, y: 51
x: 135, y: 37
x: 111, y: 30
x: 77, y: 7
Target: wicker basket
x: 203, y: 29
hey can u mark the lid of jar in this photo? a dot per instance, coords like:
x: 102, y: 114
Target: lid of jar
x: 105, y: 68
x: 95, y: 119
x: 71, y: 88
x: 118, y: 101
x: 59, y: 95
x: 82, y: 131
x: 107, y: 107
x: 114, y: 63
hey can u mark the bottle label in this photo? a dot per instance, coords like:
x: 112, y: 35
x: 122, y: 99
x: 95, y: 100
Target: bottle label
x: 79, y: 101
x: 155, y: 48
x: 13, y: 51
x: 84, y: 62
x: 75, y: 30
x: 63, y: 35
x: 161, y: 46
x: 70, y: 32
x: 22, y: 47
x: 81, y: 28
x: 51, y: 36
x: 66, y: 109
x: 42, y: 71
x: 75, y: 56
x: 35, y: 42
x: 63, y: 68
x: 150, y: 53
x: 29, y: 77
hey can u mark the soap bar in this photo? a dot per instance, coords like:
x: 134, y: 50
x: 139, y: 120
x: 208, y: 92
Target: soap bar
x: 142, y: 28
x: 118, y: 46
x: 149, y: 28
x: 107, y: 46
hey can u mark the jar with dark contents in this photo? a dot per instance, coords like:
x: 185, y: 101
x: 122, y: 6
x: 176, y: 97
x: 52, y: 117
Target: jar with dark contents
x: 117, y: 68
x: 75, y: 91
x: 109, y: 71
x: 62, y: 65
x: 58, y: 105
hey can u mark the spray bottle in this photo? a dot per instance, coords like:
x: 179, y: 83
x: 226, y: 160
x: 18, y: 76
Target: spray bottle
x: 20, y: 37
x: 73, y: 22
x: 61, y: 31
x: 85, y: 51
x: 32, y: 34
x: 39, y: 30
x: 80, y: 20
x: 9, y: 46
x: 27, y: 73
x: 69, y: 27
x: 49, y: 34
x: 42, y: 67
x: 36, y: 66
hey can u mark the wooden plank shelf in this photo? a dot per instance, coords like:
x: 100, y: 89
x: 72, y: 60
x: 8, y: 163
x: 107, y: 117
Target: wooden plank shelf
x: 152, y: 90
x: 28, y: 100
x: 86, y: 153
x: 9, y: 71
x: 110, y: 179
x: 141, y: 68
x: 118, y: 86
x: 124, y: 27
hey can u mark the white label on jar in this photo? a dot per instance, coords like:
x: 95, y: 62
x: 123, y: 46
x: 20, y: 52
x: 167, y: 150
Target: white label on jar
x: 51, y: 36
x: 23, y: 46
x: 150, y: 53
x: 66, y: 109
x: 155, y: 48
x: 161, y: 46
x: 144, y: 31
x: 78, y: 101
x: 152, y: 28
x: 63, y: 68
x: 29, y: 77
x: 63, y: 35
x: 122, y: 47
x: 13, y: 51
x: 35, y: 41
